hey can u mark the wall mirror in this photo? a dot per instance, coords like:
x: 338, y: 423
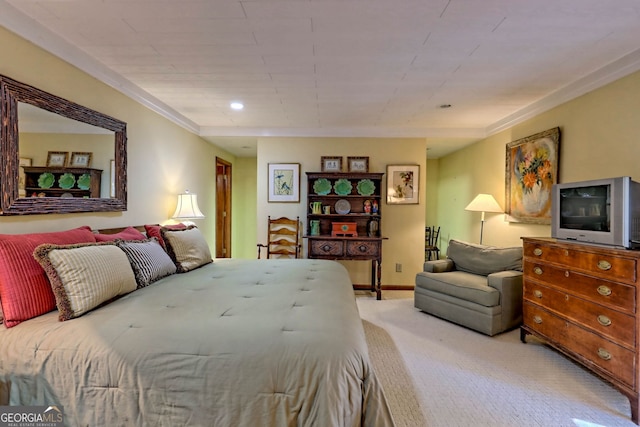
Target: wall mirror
x: 35, y: 123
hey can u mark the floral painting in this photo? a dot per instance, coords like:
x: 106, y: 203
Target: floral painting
x: 402, y: 184
x: 284, y: 182
x: 531, y: 170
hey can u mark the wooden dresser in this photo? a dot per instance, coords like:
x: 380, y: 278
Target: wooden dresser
x: 582, y: 300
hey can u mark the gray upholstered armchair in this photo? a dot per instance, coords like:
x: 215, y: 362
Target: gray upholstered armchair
x: 476, y: 286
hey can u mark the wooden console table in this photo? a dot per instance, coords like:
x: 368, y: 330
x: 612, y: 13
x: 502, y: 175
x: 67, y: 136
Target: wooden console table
x: 351, y: 249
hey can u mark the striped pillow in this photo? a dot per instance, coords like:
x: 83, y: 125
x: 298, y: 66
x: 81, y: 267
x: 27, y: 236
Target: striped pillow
x: 86, y: 275
x: 148, y: 260
x: 187, y: 248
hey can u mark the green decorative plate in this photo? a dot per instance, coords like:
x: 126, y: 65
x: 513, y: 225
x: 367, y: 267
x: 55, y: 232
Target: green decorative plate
x: 66, y: 180
x: 365, y: 187
x: 84, y: 181
x: 322, y: 186
x: 342, y: 187
x: 46, y: 180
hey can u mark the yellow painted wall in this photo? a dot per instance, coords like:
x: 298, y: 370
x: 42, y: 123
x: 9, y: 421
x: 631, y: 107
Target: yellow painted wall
x: 402, y: 224
x: 244, y: 201
x: 164, y: 159
x: 599, y: 139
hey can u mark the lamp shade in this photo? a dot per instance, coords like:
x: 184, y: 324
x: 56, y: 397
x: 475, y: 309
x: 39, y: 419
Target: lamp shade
x: 187, y: 207
x: 484, y: 203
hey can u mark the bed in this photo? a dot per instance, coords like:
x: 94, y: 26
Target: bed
x: 230, y: 343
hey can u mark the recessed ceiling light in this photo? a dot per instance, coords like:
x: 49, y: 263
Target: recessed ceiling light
x: 237, y: 105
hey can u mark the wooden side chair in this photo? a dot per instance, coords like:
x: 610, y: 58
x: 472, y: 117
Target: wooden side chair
x: 283, y: 238
x: 431, y: 235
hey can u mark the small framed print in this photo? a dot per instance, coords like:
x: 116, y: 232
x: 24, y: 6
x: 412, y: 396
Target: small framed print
x: 80, y: 160
x: 358, y: 164
x: 57, y: 158
x: 112, y: 178
x: 331, y: 164
x: 402, y: 184
x: 284, y: 182
x: 24, y: 161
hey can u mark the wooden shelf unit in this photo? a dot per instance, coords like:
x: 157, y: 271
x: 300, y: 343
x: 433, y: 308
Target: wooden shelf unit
x: 33, y: 173
x: 363, y: 247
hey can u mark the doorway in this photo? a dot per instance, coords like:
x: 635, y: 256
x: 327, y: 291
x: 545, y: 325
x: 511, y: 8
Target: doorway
x: 223, y: 208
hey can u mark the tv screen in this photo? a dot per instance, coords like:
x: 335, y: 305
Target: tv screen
x: 585, y: 208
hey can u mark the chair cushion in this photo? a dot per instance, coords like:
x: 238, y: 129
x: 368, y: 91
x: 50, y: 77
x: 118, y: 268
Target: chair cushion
x: 462, y: 285
x: 484, y: 260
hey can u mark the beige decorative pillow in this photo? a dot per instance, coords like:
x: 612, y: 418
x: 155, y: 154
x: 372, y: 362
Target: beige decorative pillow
x: 187, y: 248
x: 84, y: 276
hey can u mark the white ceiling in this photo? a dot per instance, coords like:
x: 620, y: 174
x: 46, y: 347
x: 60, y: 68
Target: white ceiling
x: 345, y: 68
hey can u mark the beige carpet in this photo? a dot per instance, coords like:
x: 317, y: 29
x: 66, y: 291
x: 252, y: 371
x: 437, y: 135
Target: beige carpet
x: 392, y: 373
x: 463, y: 378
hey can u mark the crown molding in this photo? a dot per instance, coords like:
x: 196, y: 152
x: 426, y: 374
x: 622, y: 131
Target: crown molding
x: 27, y: 28
x: 609, y: 73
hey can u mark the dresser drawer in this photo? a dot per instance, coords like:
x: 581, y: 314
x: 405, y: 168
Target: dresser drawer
x: 612, y: 294
x: 591, y: 348
x: 325, y: 248
x: 614, y: 325
x: 365, y: 248
x: 604, y: 265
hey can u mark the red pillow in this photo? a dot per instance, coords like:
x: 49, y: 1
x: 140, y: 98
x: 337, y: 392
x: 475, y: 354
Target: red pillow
x: 129, y: 233
x: 154, y: 231
x: 25, y: 291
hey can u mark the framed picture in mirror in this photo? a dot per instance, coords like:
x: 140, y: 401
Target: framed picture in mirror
x: 80, y: 160
x: 57, y: 159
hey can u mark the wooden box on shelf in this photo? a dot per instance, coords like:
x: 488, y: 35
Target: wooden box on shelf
x: 43, y: 181
x: 343, y: 229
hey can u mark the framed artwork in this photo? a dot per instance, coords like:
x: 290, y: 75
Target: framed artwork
x: 112, y: 178
x: 22, y: 180
x: 358, y: 164
x: 284, y: 182
x: 403, y: 184
x: 80, y: 160
x: 531, y: 170
x: 331, y: 164
x: 57, y: 158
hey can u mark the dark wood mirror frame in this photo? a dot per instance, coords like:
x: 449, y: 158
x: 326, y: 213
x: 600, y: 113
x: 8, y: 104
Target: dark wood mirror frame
x: 12, y: 92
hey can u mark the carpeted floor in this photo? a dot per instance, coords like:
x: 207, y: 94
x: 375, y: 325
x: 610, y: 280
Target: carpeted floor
x: 463, y: 378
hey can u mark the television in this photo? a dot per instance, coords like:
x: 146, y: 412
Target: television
x: 602, y: 212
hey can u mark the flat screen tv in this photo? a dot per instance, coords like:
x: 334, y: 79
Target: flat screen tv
x: 602, y: 212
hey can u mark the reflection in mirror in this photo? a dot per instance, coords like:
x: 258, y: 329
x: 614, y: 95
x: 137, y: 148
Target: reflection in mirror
x: 28, y: 133
x: 41, y: 131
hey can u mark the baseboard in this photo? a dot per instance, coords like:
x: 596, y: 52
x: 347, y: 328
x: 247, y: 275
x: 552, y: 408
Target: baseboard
x: 360, y: 287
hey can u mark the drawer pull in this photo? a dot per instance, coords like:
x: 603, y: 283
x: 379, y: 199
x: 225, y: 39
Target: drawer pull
x: 604, y: 290
x: 537, y: 319
x: 604, y: 320
x: 604, y: 354
x: 537, y: 293
x: 537, y: 251
x: 537, y: 270
x: 604, y: 265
